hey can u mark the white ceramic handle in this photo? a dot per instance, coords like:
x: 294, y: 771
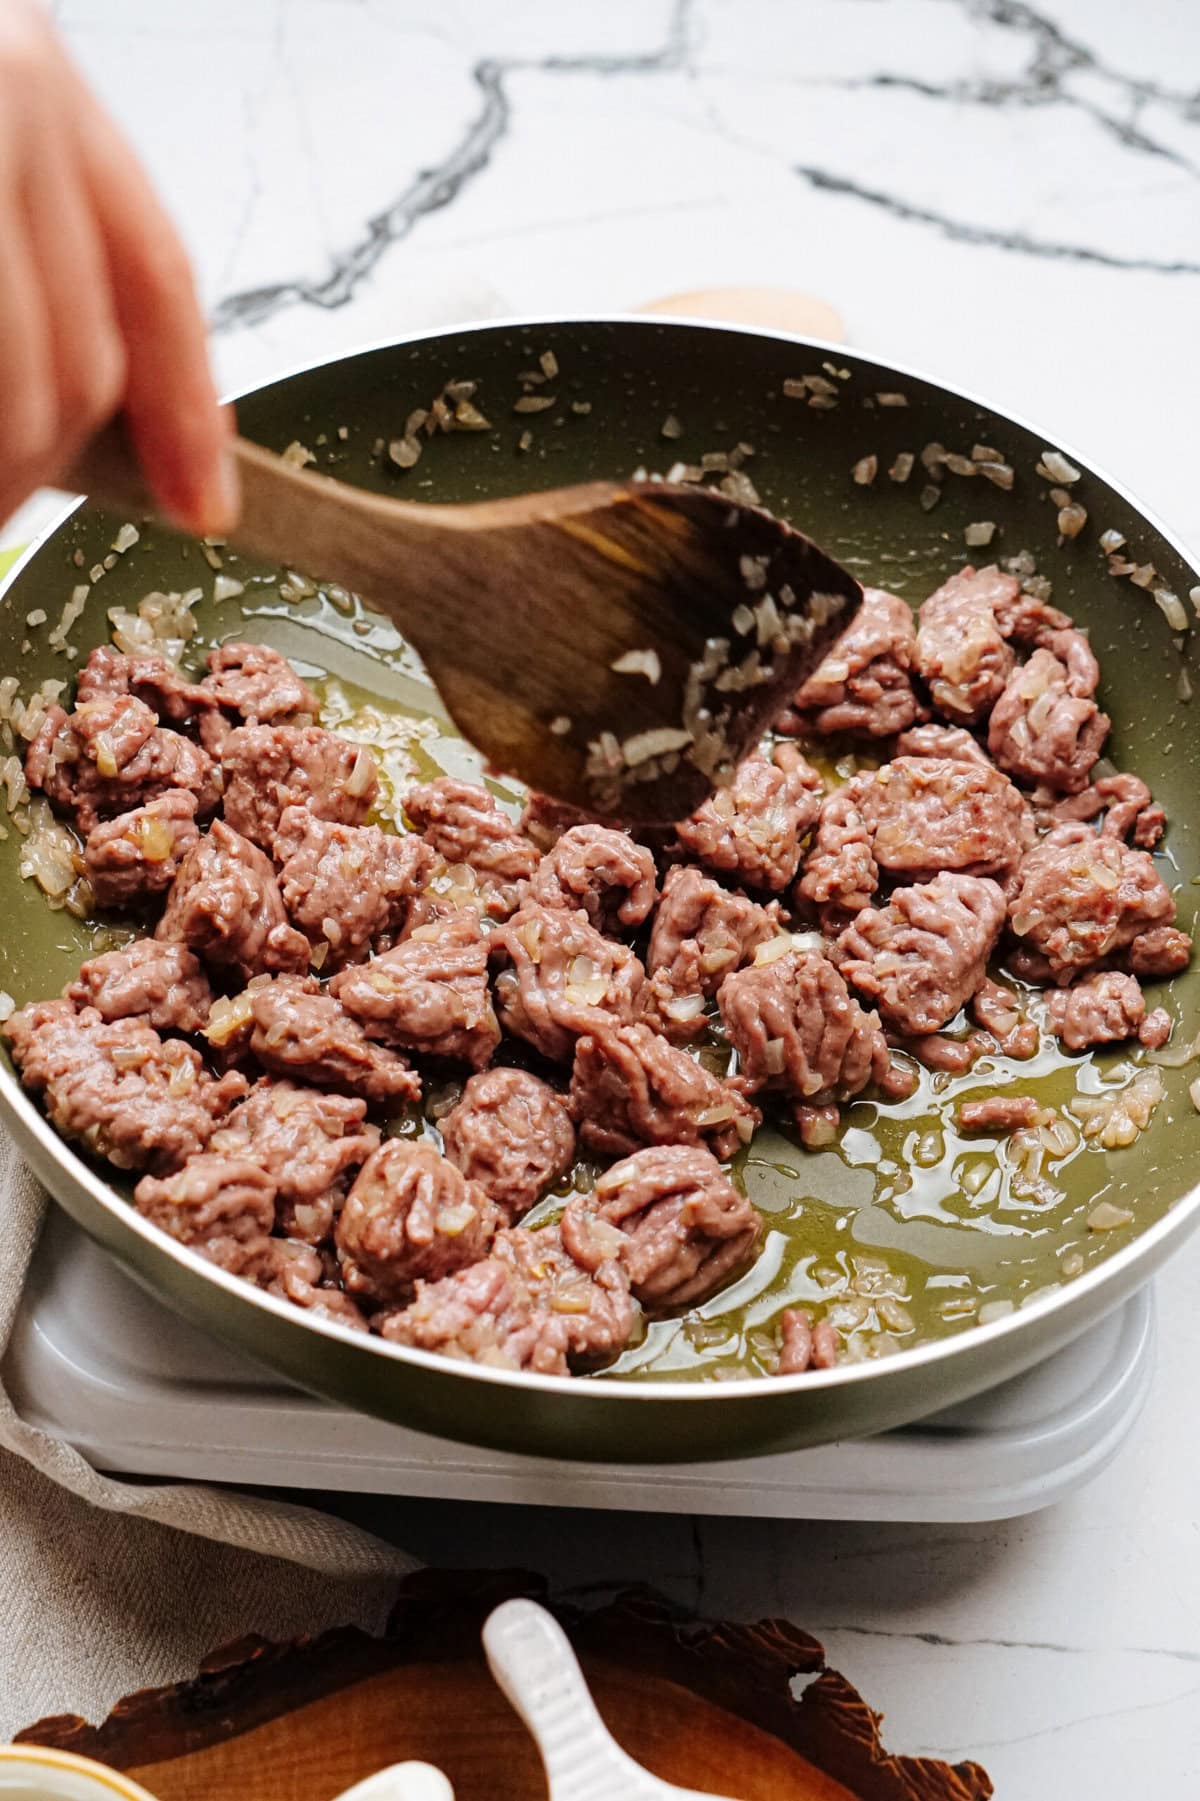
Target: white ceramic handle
x: 402, y: 1782
x: 531, y: 1658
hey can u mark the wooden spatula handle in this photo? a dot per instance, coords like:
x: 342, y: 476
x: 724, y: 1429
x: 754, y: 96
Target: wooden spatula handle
x: 107, y: 472
x: 292, y: 516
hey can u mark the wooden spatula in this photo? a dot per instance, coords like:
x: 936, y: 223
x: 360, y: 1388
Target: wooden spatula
x: 620, y: 645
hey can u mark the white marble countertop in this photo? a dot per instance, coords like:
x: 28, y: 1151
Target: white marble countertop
x: 1006, y: 194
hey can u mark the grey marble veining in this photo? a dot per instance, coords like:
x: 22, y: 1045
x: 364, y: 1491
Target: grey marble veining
x: 1006, y: 194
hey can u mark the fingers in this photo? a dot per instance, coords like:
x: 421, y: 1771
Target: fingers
x: 86, y: 351
x: 98, y: 310
x: 27, y: 409
x: 178, y: 430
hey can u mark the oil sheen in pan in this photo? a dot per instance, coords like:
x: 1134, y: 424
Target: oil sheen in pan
x: 903, y: 1230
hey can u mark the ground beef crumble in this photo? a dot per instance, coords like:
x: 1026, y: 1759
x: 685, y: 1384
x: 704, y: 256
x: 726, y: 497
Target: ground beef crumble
x: 314, y: 954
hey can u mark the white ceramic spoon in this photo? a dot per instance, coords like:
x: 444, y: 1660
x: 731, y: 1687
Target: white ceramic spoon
x: 402, y: 1782
x: 531, y: 1658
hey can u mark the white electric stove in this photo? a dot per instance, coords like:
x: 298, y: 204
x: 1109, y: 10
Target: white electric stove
x: 97, y: 1362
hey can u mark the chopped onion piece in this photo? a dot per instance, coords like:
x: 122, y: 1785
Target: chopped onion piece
x: 1172, y: 609
x: 1106, y: 1217
x: 716, y: 1115
x: 639, y: 662
x: 1179, y: 1057
x: 227, y: 1018
x: 1055, y: 468
x: 452, y: 1222
x: 363, y: 774
x: 684, y: 1007
x: 639, y: 747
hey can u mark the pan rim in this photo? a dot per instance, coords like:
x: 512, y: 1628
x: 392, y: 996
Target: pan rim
x: 1063, y: 1302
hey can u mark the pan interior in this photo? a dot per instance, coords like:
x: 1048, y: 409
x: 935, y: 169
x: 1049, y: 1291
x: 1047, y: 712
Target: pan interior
x: 904, y: 1227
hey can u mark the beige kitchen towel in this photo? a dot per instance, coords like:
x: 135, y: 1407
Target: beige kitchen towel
x: 106, y: 1586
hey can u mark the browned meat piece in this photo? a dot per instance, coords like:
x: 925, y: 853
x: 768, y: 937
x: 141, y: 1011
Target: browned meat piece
x: 1155, y: 1029
x: 1046, y: 726
x: 512, y: 1134
x: 307, y: 1142
x: 999, y: 1113
x: 864, y: 686
x: 961, y: 653
x: 803, y: 1346
x: 139, y: 852
x: 410, y: 1215
x: 1125, y: 800
x: 605, y: 872
x: 578, y: 1276
x: 1099, y: 1009
x: 797, y: 1030
x: 298, y: 1031
x: 464, y: 824
x: 223, y: 1207
x: 753, y: 829
x: 924, y: 954
x: 559, y: 978
x: 142, y: 1101
x: 1027, y: 619
x: 148, y: 677
x: 938, y: 1051
x: 840, y: 875
x: 295, y: 1272
x: 259, y: 685
x: 347, y: 887
x: 1162, y: 951
x: 1079, y: 898
x: 1028, y: 965
x: 687, y: 1228
x: 544, y: 820
x: 629, y: 1087
x: 701, y: 934
x: 952, y: 741
x: 109, y: 731
x: 817, y: 1126
x: 527, y: 1306
x: 111, y: 756
x: 998, y: 1010
x: 483, y: 1314
x: 269, y: 768
x: 225, y: 903
x: 160, y: 983
x: 429, y: 994
x: 930, y: 814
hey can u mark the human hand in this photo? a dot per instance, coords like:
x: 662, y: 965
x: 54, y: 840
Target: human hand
x: 98, y: 310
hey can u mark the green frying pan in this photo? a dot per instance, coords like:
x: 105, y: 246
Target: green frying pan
x: 899, y: 1194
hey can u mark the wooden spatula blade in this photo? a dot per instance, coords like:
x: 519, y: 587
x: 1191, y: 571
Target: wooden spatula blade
x: 662, y: 628
x: 619, y: 645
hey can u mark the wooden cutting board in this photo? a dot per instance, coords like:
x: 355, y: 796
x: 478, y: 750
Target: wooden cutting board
x: 703, y: 1704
